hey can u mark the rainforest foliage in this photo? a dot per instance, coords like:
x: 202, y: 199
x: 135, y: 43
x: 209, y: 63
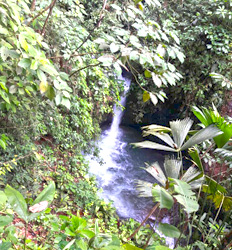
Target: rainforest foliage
x: 59, y: 64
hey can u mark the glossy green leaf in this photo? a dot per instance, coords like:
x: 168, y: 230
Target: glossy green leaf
x: 5, y: 245
x: 169, y: 230
x: 24, y: 63
x: 162, y: 196
x: 66, y: 102
x: 5, y: 220
x: 50, y: 69
x: 130, y: 247
x: 47, y: 194
x: 3, y: 198
x: 17, y: 202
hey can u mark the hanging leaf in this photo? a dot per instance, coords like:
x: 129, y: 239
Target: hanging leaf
x: 43, y: 87
x: 147, y: 73
x: 162, y: 196
x: 66, y: 102
x: 146, y: 96
x: 114, y: 47
x: 169, y: 230
x: 156, y: 80
x: 154, y: 99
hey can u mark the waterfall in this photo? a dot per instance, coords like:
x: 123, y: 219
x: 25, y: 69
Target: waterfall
x: 122, y: 166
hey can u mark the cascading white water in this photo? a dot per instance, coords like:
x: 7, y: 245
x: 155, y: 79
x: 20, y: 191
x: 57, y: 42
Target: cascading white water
x: 122, y: 166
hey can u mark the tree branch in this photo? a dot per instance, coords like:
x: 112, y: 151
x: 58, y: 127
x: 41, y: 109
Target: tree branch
x: 87, y: 66
x: 95, y: 27
x: 49, y: 14
x: 39, y: 14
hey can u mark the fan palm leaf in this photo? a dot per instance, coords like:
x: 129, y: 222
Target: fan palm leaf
x: 180, y: 129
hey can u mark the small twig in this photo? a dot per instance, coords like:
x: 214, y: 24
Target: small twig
x: 74, y: 55
x: 95, y: 27
x: 49, y: 14
x: 87, y: 66
x: 39, y: 14
x: 21, y: 157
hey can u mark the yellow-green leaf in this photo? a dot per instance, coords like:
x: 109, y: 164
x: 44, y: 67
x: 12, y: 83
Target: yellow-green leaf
x: 43, y: 87
x: 147, y: 73
x: 146, y: 96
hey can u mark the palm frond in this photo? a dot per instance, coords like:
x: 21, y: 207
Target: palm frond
x: 164, y: 137
x: 153, y: 145
x: 156, y: 171
x: 191, y: 174
x: 156, y: 128
x: 180, y: 129
x: 197, y: 183
x: 204, y: 134
x: 172, y: 167
x: 225, y: 152
x: 144, y: 188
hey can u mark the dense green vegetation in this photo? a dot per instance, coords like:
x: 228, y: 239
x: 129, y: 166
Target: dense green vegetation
x: 59, y: 62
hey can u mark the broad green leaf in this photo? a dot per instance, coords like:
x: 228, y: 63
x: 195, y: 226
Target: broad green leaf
x: 34, y: 64
x: 130, y: 247
x: 114, y: 47
x: 183, y: 188
x: 50, y: 69
x: 169, y: 230
x: 147, y: 73
x: 23, y: 42
x: 106, y: 60
x: 212, y: 186
x: 41, y: 75
x: 66, y: 102
x: 87, y: 233
x: 2, y: 144
x: 24, y: 63
x: 162, y: 196
x: 50, y: 93
x: 5, y: 245
x: 156, y: 80
x: 190, y: 205
x: 118, y: 69
x: 5, y: 220
x: 69, y: 244
x: 146, y: 96
x: 134, y: 55
x: 162, y: 248
x: 47, y: 194
x: 3, y: 198
x: 193, y: 152
x: 17, y: 202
